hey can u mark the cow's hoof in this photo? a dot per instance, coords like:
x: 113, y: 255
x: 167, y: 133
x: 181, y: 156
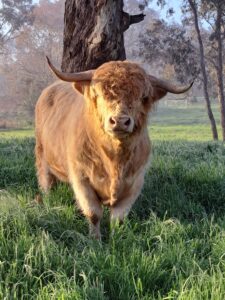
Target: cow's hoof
x: 38, y: 200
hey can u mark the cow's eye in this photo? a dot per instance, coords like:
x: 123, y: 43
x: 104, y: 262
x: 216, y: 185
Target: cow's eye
x: 144, y: 99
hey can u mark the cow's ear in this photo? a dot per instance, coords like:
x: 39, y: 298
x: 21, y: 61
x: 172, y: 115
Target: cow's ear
x: 80, y: 86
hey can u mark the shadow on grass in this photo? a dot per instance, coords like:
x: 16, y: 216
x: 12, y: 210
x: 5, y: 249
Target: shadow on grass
x: 186, y: 181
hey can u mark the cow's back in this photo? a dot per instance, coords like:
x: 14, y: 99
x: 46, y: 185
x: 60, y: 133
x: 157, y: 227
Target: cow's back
x: 55, y: 103
x: 57, y: 111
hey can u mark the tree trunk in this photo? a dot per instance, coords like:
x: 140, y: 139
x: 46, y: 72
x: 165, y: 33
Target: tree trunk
x: 219, y: 70
x: 203, y: 69
x: 93, y: 33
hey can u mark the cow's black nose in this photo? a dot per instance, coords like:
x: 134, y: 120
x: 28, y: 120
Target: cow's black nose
x: 119, y: 123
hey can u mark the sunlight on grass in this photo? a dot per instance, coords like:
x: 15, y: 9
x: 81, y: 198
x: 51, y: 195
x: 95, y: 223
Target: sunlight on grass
x: 19, y: 133
x: 181, y: 132
x: 7, y: 202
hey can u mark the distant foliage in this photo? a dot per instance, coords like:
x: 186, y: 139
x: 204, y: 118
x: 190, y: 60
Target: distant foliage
x: 170, y: 45
x: 13, y: 15
x: 26, y: 58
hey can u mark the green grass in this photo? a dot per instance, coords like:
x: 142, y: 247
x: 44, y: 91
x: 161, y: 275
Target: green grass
x: 172, y: 246
x: 183, y: 114
x: 16, y: 133
x: 189, y: 123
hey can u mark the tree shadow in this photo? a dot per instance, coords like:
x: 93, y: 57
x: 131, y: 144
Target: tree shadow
x: 186, y: 181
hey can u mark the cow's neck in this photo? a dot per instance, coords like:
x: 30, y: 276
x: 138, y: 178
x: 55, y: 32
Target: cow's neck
x: 115, y: 157
x: 113, y: 152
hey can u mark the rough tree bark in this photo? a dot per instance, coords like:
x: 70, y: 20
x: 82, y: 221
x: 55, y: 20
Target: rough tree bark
x: 219, y: 69
x: 93, y: 33
x: 203, y: 69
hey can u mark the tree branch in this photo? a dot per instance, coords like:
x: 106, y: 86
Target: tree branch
x: 131, y: 19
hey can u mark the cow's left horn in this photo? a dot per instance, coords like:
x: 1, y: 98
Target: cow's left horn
x: 168, y: 86
x: 71, y: 77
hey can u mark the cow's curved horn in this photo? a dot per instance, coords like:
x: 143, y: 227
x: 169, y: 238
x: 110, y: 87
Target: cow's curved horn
x: 71, y: 77
x: 168, y: 86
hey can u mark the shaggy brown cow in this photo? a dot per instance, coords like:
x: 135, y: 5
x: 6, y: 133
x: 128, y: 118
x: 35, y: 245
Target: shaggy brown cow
x: 93, y: 134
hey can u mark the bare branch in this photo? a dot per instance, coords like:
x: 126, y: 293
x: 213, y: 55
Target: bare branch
x: 131, y: 19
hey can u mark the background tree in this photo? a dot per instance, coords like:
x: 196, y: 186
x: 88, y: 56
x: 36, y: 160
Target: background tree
x: 24, y: 70
x: 213, y: 11
x: 13, y: 15
x: 93, y: 33
x: 193, y: 6
x: 189, y: 6
x: 43, y: 37
x: 171, y: 45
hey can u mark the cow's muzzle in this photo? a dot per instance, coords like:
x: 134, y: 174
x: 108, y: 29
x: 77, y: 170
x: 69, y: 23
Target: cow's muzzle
x: 120, y: 125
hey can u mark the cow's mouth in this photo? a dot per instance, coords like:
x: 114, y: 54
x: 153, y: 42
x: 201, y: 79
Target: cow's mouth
x: 118, y: 133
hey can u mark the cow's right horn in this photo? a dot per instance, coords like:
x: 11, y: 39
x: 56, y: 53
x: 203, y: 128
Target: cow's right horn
x: 168, y: 86
x: 71, y: 77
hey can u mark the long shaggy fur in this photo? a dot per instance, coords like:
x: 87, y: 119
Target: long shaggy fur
x: 73, y: 146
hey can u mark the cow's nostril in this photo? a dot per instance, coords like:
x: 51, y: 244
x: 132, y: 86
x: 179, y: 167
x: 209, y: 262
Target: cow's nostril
x: 127, y: 123
x: 112, y: 121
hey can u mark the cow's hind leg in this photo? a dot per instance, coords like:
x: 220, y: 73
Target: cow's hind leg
x: 89, y: 204
x: 45, y: 179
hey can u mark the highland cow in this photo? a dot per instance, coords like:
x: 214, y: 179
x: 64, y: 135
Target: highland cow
x: 91, y: 131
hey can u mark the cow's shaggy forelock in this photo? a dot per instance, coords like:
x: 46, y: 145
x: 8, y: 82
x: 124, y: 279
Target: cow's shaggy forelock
x: 122, y: 80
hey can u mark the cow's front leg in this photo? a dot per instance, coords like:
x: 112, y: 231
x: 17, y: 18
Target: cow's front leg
x: 121, y: 208
x: 89, y: 204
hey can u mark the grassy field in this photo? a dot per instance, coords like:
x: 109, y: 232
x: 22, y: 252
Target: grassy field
x: 172, y: 246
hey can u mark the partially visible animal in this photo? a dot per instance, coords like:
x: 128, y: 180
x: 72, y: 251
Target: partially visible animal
x: 91, y: 131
